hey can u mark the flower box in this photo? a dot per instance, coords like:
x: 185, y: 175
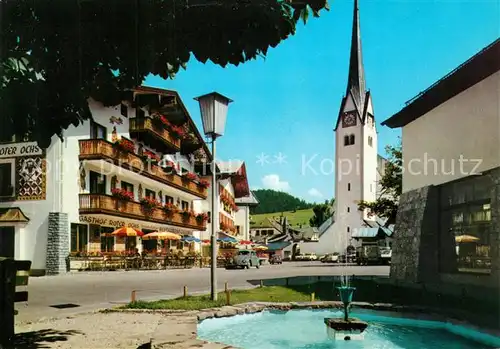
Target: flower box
x: 126, y: 145
x: 204, y: 183
x: 170, y: 167
x: 149, y: 203
x: 122, y: 194
x: 187, y: 214
x: 177, y: 132
x: 149, y: 155
x: 170, y: 209
x: 201, y: 217
x: 191, y: 176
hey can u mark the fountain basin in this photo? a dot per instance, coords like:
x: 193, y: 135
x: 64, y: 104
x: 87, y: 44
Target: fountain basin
x: 339, y: 329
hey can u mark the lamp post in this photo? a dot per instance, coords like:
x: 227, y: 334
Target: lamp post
x: 213, y: 109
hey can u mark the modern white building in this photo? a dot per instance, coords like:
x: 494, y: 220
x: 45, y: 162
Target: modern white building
x: 448, y: 216
x: 358, y: 165
x: 133, y: 165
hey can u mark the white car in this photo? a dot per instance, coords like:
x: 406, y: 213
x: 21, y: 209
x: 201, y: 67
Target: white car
x: 310, y: 257
x: 331, y: 258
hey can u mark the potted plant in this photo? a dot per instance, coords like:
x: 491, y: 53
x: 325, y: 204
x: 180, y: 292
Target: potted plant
x: 191, y: 176
x: 177, y: 132
x: 122, y: 194
x: 204, y: 183
x: 170, y: 209
x: 150, y: 156
x: 170, y: 167
x: 187, y: 214
x: 125, y: 145
x: 149, y: 203
x: 201, y: 218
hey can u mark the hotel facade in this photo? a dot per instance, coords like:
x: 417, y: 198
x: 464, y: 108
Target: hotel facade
x: 141, y: 164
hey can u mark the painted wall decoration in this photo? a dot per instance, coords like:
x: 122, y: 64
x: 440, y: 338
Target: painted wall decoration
x: 115, y: 120
x: 82, y: 179
x: 114, y: 135
x: 31, y: 178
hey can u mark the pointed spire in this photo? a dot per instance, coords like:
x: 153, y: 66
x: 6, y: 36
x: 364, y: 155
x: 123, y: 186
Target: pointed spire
x: 356, y: 81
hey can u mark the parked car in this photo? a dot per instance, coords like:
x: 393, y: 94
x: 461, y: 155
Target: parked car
x: 244, y: 259
x: 349, y: 258
x: 310, y: 257
x: 275, y: 259
x: 331, y: 258
x: 299, y: 257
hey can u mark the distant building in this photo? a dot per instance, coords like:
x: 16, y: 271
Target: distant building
x: 447, y: 228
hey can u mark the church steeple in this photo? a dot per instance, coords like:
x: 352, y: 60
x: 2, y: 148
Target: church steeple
x: 356, y: 81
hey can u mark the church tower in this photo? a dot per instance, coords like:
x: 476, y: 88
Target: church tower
x: 355, y: 145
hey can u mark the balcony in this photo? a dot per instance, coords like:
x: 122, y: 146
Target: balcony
x: 150, y: 132
x: 109, y: 205
x: 100, y: 149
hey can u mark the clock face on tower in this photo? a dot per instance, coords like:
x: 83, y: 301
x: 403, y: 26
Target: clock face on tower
x: 349, y: 120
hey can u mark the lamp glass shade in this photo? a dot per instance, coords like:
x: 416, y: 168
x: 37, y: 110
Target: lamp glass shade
x: 213, y: 109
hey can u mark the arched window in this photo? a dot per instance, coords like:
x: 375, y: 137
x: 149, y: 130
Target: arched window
x: 351, y: 139
x: 346, y: 140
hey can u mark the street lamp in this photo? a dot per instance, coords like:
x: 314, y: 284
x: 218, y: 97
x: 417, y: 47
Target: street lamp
x: 213, y: 109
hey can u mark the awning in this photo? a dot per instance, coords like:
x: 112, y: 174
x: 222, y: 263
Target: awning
x: 12, y: 215
x: 277, y: 245
x: 371, y: 232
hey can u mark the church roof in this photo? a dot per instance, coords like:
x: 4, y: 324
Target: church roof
x: 356, y: 84
x: 474, y: 70
x: 356, y: 80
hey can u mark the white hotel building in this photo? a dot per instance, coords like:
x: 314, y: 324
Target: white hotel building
x: 69, y: 197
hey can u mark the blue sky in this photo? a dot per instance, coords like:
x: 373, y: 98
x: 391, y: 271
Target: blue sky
x: 288, y: 102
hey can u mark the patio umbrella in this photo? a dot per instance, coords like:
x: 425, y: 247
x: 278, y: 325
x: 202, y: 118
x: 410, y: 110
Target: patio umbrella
x: 190, y: 239
x: 161, y: 235
x: 206, y: 241
x: 245, y: 242
x: 260, y: 248
x: 126, y: 231
x: 465, y: 238
x: 227, y: 239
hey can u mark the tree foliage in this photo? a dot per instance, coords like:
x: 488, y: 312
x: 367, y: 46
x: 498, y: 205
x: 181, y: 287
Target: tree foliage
x: 391, y: 185
x: 321, y: 213
x: 58, y: 53
x: 271, y: 201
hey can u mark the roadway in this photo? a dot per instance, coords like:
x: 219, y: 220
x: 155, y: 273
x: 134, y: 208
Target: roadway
x: 89, y: 291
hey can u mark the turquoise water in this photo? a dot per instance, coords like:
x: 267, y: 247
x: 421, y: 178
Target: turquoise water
x: 305, y: 329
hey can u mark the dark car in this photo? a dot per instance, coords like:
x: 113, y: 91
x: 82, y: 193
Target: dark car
x: 275, y: 259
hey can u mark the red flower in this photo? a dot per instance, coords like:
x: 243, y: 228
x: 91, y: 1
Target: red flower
x: 177, y: 132
x: 170, y: 208
x: 126, y: 145
x: 150, y: 155
x: 191, y: 176
x: 202, y: 217
x: 122, y: 194
x: 149, y: 202
x: 204, y: 183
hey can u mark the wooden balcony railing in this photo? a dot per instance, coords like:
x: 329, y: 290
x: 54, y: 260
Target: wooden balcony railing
x: 107, y: 204
x: 100, y: 149
x: 148, y: 125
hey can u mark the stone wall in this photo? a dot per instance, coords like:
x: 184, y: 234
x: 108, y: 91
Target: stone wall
x: 57, y: 243
x: 422, y: 248
x: 414, y: 249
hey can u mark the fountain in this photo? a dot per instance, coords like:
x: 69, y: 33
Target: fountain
x: 345, y: 328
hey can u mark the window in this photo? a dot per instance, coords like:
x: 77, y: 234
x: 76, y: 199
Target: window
x: 127, y: 186
x: 124, y: 110
x: 237, y: 230
x: 348, y: 186
x: 209, y: 217
x: 348, y: 229
x: 130, y: 243
x: 107, y: 240
x: 351, y: 140
x: 97, y: 183
x: 466, y: 226
x: 7, y: 177
x: 346, y: 140
x: 79, y: 237
x: 370, y: 141
x: 185, y: 205
x: 169, y: 199
x: 348, y: 209
x: 139, y: 113
x: 150, y: 194
x: 97, y: 131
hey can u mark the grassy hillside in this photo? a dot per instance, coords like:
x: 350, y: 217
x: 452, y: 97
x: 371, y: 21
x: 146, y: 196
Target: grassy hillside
x: 294, y: 218
x: 277, y: 201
